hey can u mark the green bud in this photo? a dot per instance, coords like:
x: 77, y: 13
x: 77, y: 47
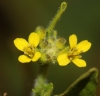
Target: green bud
x: 41, y: 31
x: 60, y: 43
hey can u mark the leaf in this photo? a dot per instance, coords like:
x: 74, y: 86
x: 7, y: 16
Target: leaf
x: 85, y: 85
x: 47, y: 90
x: 42, y: 87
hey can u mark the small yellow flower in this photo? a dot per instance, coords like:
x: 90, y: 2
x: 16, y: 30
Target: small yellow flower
x: 29, y: 48
x: 74, y: 53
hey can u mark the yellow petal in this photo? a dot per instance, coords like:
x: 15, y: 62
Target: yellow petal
x: 79, y: 62
x: 20, y: 43
x: 34, y: 39
x: 73, y: 41
x: 24, y: 59
x: 63, y: 60
x: 37, y: 55
x: 83, y: 46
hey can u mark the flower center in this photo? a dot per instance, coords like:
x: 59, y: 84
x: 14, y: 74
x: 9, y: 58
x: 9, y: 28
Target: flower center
x: 74, y: 54
x: 29, y: 51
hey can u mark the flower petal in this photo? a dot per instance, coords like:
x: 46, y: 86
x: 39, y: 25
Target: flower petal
x: 37, y: 55
x: 24, y: 59
x: 63, y: 60
x: 34, y: 39
x: 73, y: 41
x: 79, y: 62
x: 20, y: 43
x: 83, y: 46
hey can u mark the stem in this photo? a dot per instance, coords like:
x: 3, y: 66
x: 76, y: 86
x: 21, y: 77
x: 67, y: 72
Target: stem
x: 41, y: 84
x: 56, y: 18
x: 44, y: 70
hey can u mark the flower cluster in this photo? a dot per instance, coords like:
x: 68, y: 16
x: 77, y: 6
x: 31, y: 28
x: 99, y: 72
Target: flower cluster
x: 49, y: 48
x: 46, y: 47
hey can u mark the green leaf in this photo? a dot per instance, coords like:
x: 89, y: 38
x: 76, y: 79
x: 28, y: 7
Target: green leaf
x: 47, y: 90
x: 42, y: 87
x: 85, y: 85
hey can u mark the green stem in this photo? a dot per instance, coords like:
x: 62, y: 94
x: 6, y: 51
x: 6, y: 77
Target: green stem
x: 43, y: 70
x: 56, y: 18
x: 41, y: 84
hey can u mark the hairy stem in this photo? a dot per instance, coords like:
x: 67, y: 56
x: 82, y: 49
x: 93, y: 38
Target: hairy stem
x: 56, y: 18
x: 43, y: 70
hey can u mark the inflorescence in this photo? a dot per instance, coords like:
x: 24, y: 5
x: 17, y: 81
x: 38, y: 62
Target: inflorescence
x: 46, y: 47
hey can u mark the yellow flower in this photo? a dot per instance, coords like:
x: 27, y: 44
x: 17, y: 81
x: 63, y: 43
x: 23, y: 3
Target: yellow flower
x: 29, y: 48
x: 74, y: 53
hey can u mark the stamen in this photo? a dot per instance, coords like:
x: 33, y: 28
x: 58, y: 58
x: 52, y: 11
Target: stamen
x: 29, y: 51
